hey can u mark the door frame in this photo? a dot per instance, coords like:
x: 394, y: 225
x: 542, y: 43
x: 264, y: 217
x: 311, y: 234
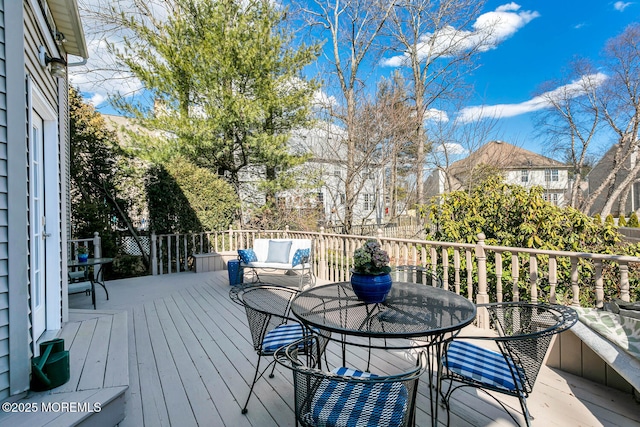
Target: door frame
x: 52, y: 247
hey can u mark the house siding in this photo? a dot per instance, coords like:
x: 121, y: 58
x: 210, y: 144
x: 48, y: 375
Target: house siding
x: 4, y: 280
x: 13, y: 242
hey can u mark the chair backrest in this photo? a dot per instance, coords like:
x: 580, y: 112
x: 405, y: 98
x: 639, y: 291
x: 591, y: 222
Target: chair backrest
x: 374, y: 400
x: 526, y: 330
x: 266, y: 307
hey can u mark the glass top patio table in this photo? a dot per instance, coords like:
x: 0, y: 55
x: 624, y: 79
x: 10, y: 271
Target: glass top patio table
x: 411, y: 311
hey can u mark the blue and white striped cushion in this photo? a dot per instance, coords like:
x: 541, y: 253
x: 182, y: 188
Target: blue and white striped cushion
x: 280, y: 336
x: 350, y: 372
x: 480, y: 364
x: 342, y: 404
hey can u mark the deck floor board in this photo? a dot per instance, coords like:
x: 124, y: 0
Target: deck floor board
x: 191, y: 361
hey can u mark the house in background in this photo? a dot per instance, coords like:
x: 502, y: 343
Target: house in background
x: 328, y: 168
x: 599, y: 173
x: 37, y: 36
x: 519, y: 166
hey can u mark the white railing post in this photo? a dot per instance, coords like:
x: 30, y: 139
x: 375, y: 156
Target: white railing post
x: 483, y: 296
x: 154, y: 254
x: 97, y: 245
x: 97, y: 253
x: 322, y: 256
x: 624, y: 281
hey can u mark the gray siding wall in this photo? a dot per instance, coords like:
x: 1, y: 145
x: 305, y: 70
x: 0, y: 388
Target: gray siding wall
x: 14, y: 245
x: 4, y: 279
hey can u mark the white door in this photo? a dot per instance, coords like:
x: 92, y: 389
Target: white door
x: 37, y: 223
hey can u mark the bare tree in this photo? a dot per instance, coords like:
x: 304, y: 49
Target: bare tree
x: 352, y: 28
x: 437, y: 49
x: 573, y: 121
x: 610, y: 96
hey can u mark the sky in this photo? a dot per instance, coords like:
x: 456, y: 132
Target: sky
x: 535, y: 41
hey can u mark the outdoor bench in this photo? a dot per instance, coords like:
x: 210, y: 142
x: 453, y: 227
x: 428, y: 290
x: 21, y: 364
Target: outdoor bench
x: 295, y: 255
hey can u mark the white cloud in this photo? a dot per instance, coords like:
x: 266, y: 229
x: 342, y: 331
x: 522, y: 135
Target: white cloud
x: 488, y: 31
x: 435, y: 115
x: 540, y: 102
x: 323, y: 100
x: 451, y: 148
x: 620, y: 6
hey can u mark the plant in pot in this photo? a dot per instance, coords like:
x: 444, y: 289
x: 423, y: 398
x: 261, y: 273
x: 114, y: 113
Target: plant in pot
x: 83, y: 253
x: 370, y: 278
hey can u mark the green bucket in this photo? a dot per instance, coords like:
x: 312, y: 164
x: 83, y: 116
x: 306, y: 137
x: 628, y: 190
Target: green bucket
x: 51, y: 368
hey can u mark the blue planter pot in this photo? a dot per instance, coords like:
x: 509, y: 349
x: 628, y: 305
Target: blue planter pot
x: 83, y: 257
x: 371, y: 288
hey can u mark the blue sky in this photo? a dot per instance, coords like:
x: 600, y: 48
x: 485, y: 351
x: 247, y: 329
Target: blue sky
x: 540, y: 39
x: 537, y: 52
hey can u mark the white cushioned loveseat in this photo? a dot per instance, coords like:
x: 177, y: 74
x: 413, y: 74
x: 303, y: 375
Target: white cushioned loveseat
x: 294, y: 255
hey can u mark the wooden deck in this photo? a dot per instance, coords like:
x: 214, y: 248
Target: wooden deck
x: 99, y: 376
x: 191, y: 362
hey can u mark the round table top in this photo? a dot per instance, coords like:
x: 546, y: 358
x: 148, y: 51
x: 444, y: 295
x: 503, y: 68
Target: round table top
x: 411, y: 310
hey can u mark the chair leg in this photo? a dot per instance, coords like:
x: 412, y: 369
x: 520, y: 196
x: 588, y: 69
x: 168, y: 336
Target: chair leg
x: 255, y: 379
x: 525, y: 410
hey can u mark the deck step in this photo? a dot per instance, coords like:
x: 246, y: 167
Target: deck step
x: 95, y: 394
x: 102, y: 407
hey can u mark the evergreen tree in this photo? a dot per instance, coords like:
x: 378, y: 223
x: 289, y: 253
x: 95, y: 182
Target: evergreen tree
x: 226, y: 82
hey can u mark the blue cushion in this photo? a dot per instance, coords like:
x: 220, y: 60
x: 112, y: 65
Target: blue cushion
x: 350, y: 372
x: 300, y: 255
x: 340, y: 404
x: 281, y: 336
x: 247, y: 255
x: 279, y: 251
x: 482, y: 365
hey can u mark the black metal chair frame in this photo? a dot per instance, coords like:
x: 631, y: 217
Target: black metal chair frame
x: 262, y: 320
x: 307, y: 379
x: 524, y: 338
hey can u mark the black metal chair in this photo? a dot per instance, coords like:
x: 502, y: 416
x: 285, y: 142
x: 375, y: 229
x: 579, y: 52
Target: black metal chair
x: 271, y: 326
x: 347, y: 397
x: 525, y: 331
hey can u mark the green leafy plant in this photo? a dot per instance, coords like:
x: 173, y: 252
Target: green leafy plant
x: 633, y: 221
x: 371, y: 259
x: 83, y: 250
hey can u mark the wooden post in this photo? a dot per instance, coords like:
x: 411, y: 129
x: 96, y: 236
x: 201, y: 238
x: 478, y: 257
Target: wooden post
x: 624, y: 281
x: 482, y: 297
x: 322, y: 256
x: 154, y: 254
x: 97, y: 245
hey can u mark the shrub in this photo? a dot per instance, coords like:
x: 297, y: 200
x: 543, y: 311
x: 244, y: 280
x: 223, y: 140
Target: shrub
x: 633, y: 221
x: 621, y: 221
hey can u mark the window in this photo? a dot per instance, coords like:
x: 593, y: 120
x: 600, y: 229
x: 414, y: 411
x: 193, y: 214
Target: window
x: 320, y: 197
x: 369, y: 201
x: 524, y: 176
x: 343, y: 198
x: 551, y: 197
x: 551, y: 175
x: 337, y: 173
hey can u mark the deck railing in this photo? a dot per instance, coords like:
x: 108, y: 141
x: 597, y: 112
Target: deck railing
x: 481, y: 272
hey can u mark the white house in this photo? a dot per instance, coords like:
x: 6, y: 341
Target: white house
x: 36, y: 37
x: 519, y: 166
x: 328, y: 167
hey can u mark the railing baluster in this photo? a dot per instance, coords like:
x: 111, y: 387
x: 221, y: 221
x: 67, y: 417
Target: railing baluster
x: 515, y: 275
x: 499, y: 295
x: 553, y: 279
x: 533, y: 277
x: 469, y: 275
x: 456, y: 269
x: 624, y: 281
x: 574, y: 282
x: 445, y: 269
x: 599, y: 285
